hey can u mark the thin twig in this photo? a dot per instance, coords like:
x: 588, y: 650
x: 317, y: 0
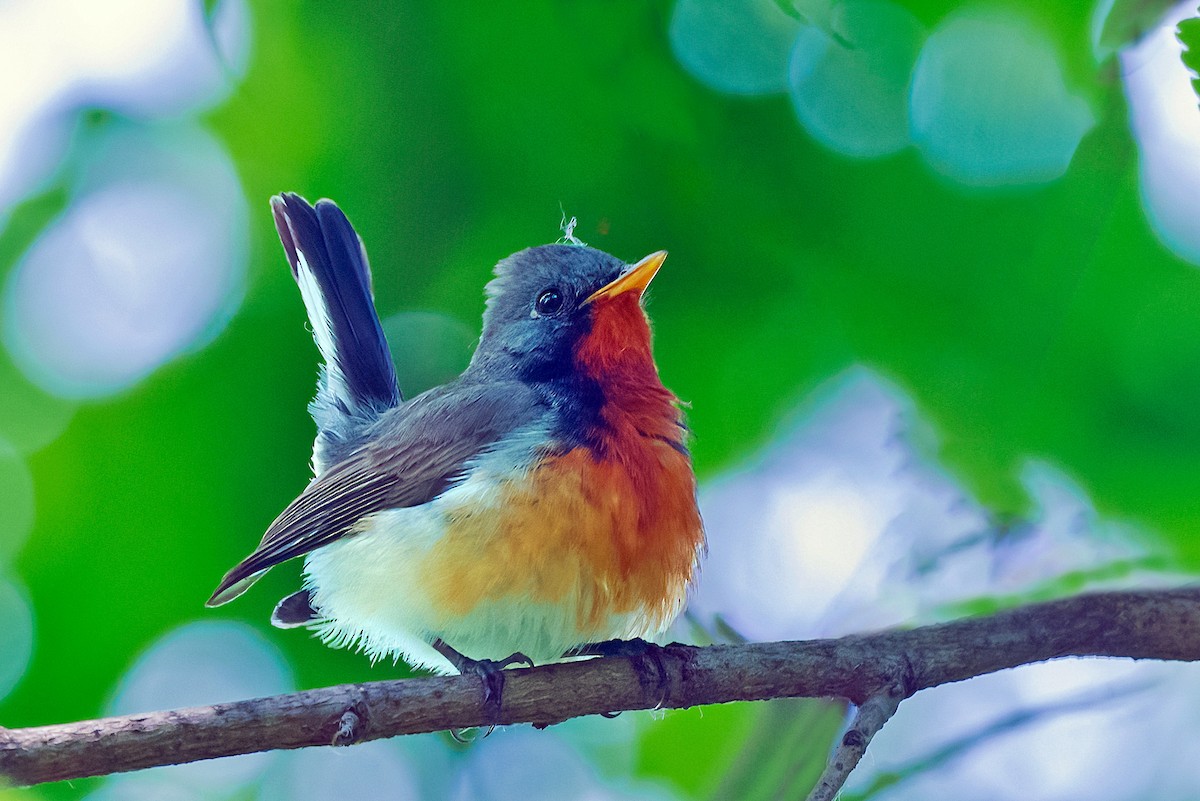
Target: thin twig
x: 1158, y: 624
x: 1094, y: 698
x: 874, y: 712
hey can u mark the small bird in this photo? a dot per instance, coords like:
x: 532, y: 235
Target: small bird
x: 542, y: 502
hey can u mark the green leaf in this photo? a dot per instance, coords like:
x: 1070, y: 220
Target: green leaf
x: 1188, y: 34
x: 1126, y: 22
x: 789, y: 8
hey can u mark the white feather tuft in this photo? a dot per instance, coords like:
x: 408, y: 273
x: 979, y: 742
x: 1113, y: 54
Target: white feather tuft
x: 322, y: 328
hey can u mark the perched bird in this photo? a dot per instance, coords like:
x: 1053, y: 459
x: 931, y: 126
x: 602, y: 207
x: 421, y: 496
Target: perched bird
x: 541, y: 502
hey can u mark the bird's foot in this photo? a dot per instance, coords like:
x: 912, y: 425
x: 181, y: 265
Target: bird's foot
x: 491, y: 675
x: 352, y: 724
x: 643, y: 655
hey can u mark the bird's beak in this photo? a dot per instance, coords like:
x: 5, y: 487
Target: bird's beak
x: 636, y: 277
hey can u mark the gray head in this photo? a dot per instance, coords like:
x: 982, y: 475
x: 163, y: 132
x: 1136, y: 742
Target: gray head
x: 544, y: 301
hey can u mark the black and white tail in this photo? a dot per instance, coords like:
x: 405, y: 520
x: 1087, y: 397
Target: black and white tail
x: 329, y: 263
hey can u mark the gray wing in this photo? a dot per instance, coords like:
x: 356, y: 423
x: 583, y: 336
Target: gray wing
x: 413, y: 454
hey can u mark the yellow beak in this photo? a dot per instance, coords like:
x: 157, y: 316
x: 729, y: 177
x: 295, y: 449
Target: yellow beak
x: 637, y: 276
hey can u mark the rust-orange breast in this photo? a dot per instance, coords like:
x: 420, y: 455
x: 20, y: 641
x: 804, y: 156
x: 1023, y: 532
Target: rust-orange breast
x: 582, y: 530
x: 609, y: 528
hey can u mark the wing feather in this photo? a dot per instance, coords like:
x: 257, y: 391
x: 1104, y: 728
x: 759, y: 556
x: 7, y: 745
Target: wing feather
x: 419, y: 450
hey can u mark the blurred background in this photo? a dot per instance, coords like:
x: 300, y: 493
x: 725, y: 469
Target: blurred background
x: 932, y: 299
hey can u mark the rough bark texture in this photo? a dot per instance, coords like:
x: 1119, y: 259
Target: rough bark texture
x: 1162, y: 624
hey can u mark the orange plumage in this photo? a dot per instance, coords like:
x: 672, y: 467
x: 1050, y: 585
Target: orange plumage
x: 615, y: 525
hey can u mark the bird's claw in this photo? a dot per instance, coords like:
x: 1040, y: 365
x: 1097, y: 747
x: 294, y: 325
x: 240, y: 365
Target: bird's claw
x: 351, y: 725
x: 491, y: 676
x: 460, y: 737
x: 639, y: 652
x: 516, y: 659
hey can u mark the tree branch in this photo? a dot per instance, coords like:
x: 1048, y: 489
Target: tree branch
x: 875, y: 711
x: 1162, y: 624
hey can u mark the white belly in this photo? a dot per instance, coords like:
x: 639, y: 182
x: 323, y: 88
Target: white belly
x: 371, y: 593
x: 370, y: 596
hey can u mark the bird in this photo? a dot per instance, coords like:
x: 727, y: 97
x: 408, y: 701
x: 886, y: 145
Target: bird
x: 539, y: 504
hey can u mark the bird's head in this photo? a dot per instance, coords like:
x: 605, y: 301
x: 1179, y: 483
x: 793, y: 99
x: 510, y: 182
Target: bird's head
x: 556, y: 310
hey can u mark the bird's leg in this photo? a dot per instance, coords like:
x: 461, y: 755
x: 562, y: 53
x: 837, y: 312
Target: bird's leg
x: 490, y: 672
x: 640, y: 652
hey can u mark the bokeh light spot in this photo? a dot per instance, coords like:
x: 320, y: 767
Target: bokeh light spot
x: 429, y: 348
x: 377, y: 769
x: 1166, y: 125
x: 989, y: 103
x: 203, y: 663
x: 524, y: 765
x: 16, y: 502
x: 29, y: 417
x: 16, y: 635
x: 856, y: 528
x: 837, y: 504
x: 230, y: 23
x: 826, y: 529
x: 207, y: 662
x: 1000, y: 734
x: 849, y: 84
x: 735, y: 46
x: 141, y: 267
x: 150, y: 59
x: 143, y: 59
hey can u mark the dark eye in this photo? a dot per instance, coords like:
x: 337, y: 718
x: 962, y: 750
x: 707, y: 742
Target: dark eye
x: 548, y: 303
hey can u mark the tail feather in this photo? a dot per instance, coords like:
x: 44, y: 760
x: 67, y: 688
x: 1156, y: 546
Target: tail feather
x: 294, y: 610
x: 330, y: 266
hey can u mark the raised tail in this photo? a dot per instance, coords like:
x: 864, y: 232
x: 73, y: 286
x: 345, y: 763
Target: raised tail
x: 329, y: 264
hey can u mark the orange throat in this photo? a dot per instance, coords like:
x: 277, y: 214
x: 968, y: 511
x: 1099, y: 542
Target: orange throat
x: 637, y: 480
x: 616, y: 354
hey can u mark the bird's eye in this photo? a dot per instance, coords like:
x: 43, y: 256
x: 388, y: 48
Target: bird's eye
x: 548, y: 303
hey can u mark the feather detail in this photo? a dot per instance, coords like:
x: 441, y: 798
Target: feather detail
x: 294, y: 611
x: 329, y: 263
x: 418, y: 451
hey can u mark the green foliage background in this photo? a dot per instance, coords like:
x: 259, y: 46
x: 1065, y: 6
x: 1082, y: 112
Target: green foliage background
x: 1044, y: 322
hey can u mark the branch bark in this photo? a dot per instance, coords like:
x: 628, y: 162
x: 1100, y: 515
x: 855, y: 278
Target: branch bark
x: 875, y: 711
x: 1156, y: 624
